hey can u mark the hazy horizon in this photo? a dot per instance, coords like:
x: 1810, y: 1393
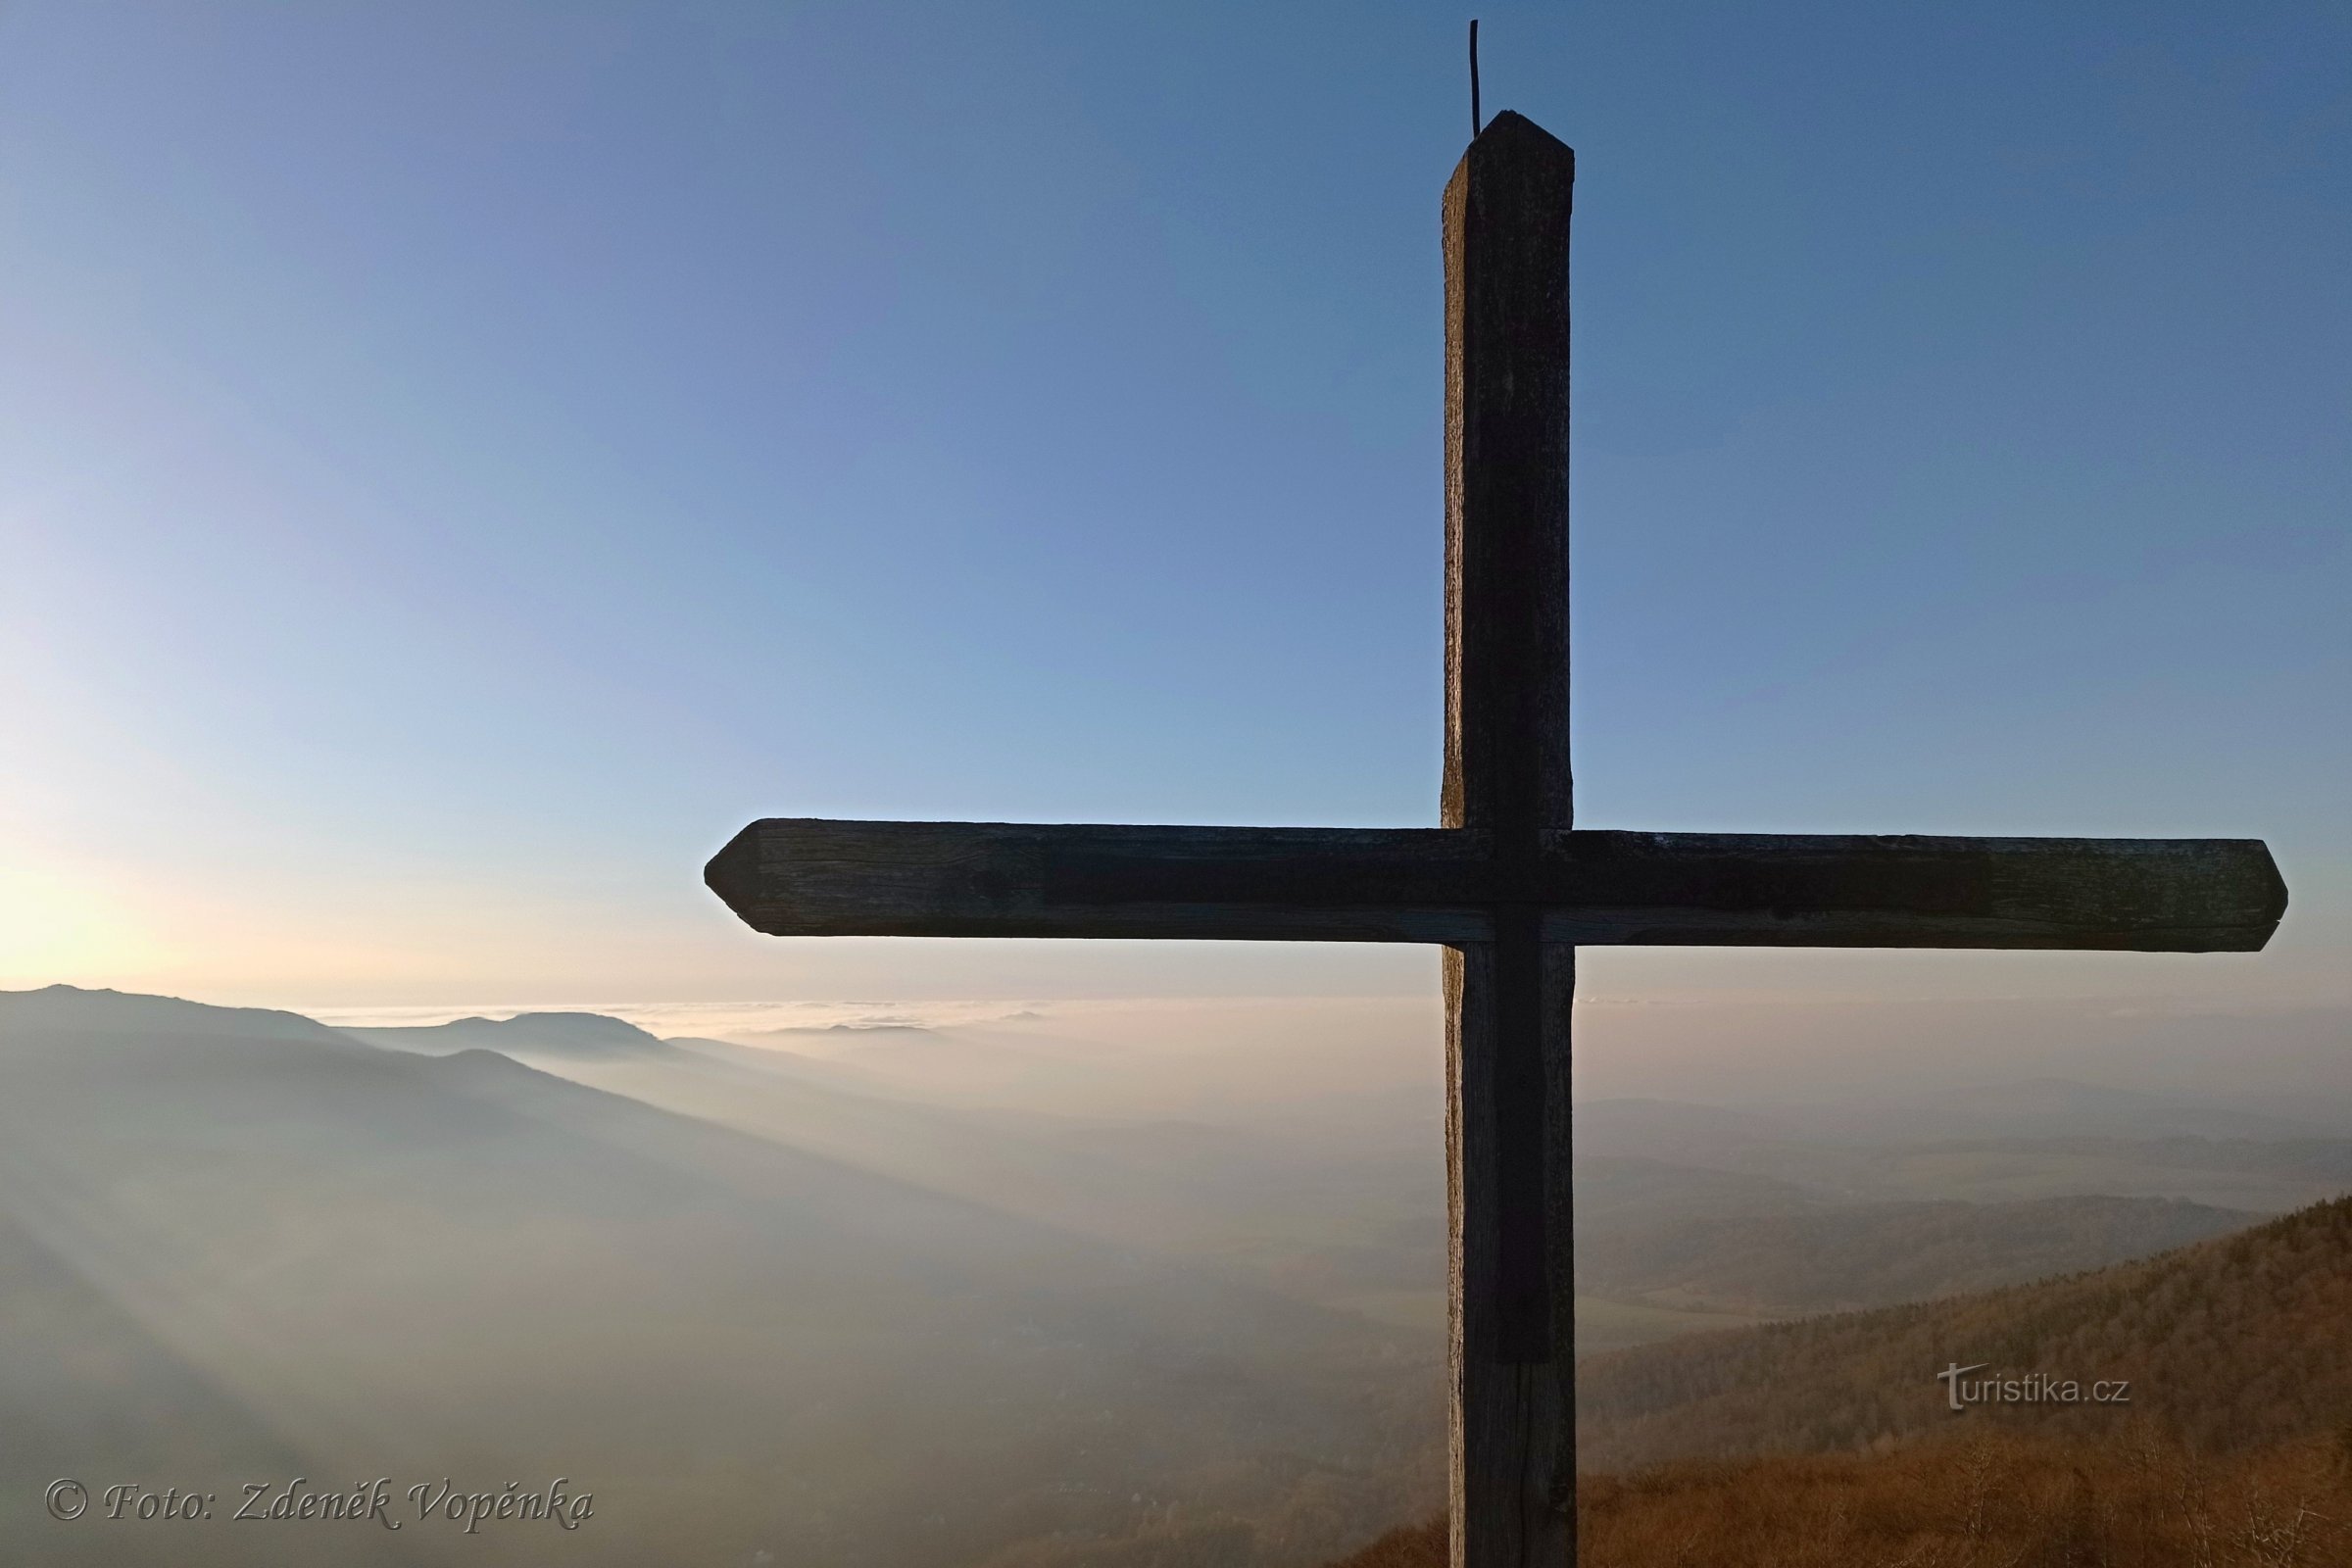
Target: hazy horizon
x: 1728, y: 1051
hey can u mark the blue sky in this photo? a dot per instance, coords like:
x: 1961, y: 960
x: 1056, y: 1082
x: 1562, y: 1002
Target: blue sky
x: 458, y: 463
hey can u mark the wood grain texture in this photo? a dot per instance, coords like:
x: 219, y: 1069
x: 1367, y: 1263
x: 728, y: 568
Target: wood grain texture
x: 1507, y: 785
x: 803, y: 876
x: 1508, y: 1402
x: 1506, y: 227
x: 1511, y: 1390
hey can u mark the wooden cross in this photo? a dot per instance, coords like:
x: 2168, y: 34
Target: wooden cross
x: 1505, y: 885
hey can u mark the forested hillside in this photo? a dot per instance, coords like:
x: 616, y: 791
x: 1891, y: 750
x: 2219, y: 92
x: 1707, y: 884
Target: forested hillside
x: 1830, y: 1442
x: 2233, y: 1343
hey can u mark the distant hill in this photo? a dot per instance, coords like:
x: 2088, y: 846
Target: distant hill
x: 1664, y: 1250
x: 2232, y: 1342
x: 957, y: 1068
x: 2001, y: 1143
x: 590, y: 1034
x: 2056, y: 1108
x: 1674, y: 1131
x: 73, y: 1011
x: 2262, y: 1175
x: 1627, y: 1192
x: 1876, y: 1254
x: 1335, y: 1227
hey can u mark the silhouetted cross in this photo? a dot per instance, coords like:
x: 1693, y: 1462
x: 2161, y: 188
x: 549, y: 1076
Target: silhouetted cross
x: 1505, y: 885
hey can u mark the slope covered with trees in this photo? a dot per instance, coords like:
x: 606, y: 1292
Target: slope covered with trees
x: 2233, y: 1343
x: 1830, y: 1442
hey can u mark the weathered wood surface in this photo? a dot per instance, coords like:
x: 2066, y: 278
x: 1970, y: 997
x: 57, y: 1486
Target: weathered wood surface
x: 1507, y: 785
x: 1511, y: 1390
x: 1506, y: 482
x: 791, y: 876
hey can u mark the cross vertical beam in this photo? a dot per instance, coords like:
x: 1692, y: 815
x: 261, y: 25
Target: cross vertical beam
x: 1507, y: 1000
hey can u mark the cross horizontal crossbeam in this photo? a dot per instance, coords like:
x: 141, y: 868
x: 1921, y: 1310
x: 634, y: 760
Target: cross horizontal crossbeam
x: 799, y: 876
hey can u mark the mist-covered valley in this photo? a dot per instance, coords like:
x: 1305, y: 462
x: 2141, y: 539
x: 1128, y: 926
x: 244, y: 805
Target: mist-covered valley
x: 1007, y: 1293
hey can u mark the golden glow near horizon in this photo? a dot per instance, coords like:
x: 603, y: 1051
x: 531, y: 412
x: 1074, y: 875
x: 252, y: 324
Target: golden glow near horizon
x: 57, y: 925
x: 326, y: 937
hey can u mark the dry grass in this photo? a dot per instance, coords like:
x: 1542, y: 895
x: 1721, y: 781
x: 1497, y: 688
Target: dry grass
x: 1987, y: 1500
x: 1421, y: 1545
